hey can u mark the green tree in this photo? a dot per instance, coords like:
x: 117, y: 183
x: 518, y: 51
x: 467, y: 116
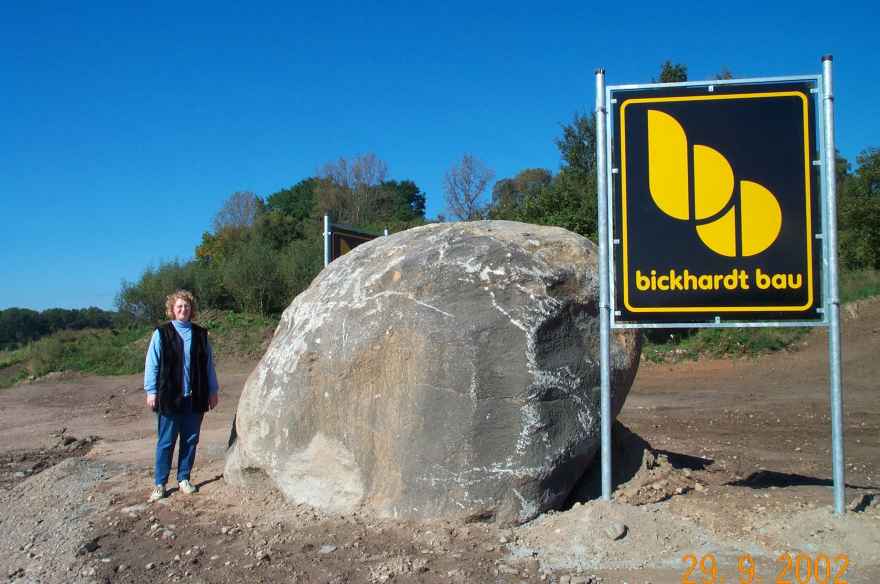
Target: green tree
x: 859, y: 212
x: 297, y: 201
x: 253, y: 278
x: 300, y: 262
x: 866, y: 180
x: 570, y: 202
x: 279, y: 229
x: 208, y: 285
x: 405, y: 201
x: 57, y: 319
x: 509, y: 194
x: 19, y: 326
x: 216, y: 247
x: 577, y: 145
x: 673, y: 72
x: 144, y: 300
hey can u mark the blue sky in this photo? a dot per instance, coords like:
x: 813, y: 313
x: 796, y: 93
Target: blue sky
x: 124, y: 126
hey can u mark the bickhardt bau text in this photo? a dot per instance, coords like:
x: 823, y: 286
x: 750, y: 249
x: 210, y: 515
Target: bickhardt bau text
x: 736, y: 279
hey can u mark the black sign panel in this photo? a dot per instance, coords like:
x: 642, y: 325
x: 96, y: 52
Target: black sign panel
x: 716, y: 203
x: 344, y: 240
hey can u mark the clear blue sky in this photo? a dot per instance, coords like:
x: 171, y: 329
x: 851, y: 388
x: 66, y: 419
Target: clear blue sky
x: 124, y: 126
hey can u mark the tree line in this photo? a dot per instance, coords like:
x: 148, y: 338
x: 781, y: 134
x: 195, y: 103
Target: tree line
x: 19, y: 326
x: 262, y: 252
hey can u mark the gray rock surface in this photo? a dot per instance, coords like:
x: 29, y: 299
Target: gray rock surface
x: 447, y: 370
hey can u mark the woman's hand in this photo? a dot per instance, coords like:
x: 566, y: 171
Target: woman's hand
x: 151, y: 401
x: 213, y: 399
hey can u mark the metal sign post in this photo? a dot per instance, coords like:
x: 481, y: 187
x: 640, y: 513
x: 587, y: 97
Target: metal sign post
x: 604, y: 293
x: 833, y: 303
x: 326, y: 240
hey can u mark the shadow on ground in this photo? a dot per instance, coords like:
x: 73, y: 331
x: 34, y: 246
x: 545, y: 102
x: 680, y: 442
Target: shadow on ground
x: 765, y: 479
x: 636, y: 467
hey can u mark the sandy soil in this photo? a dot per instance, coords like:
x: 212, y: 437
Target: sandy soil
x: 722, y: 467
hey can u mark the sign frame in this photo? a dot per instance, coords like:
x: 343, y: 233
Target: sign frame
x: 828, y: 270
x: 335, y: 232
x: 705, y: 317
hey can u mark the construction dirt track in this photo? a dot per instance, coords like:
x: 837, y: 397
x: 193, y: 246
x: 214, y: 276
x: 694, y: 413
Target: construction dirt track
x: 725, y: 469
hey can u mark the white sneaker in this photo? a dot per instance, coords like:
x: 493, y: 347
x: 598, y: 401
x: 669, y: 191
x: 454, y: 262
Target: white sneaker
x: 187, y: 487
x: 157, y: 494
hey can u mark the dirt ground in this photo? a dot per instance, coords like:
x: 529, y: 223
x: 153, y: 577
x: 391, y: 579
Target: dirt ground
x: 723, y: 471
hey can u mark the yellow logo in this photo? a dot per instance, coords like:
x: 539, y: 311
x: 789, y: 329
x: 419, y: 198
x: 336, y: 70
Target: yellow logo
x: 713, y: 190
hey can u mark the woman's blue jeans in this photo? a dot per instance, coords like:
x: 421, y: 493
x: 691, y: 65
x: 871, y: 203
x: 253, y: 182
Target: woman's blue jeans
x: 186, y: 424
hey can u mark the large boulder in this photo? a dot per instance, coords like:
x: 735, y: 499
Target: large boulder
x: 447, y: 370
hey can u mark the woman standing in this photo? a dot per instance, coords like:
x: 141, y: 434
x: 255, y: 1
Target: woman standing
x: 181, y: 386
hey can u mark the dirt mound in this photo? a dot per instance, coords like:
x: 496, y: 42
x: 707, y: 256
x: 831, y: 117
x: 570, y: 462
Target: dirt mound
x: 612, y: 535
x: 48, y: 517
x: 640, y: 473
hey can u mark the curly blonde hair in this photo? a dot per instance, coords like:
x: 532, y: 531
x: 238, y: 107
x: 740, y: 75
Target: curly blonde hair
x: 184, y: 295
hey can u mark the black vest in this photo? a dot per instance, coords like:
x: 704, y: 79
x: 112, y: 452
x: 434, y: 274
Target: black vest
x: 169, y: 384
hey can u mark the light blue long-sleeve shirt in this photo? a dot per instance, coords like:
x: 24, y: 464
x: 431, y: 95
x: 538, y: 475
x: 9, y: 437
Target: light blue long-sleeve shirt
x: 154, y: 351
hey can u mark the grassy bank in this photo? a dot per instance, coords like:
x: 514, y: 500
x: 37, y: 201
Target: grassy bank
x: 859, y: 284
x: 692, y: 344
x: 234, y: 337
x: 100, y: 352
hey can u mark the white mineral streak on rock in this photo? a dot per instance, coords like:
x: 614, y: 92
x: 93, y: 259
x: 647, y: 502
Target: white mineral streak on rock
x: 527, y: 509
x: 529, y: 412
x: 469, y: 266
x: 379, y: 295
x: 442, y: 252
x: 531, y: 423
x: 512, y: 320
x: 585, y: 419
x: 526, y: 291
x: 475, y: 475
x: 490, y: 271
x: 472, y: 389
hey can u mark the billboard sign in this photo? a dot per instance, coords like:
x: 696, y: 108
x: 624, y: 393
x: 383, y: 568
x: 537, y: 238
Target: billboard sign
x: 344, y: 239
x: 716, y: 213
